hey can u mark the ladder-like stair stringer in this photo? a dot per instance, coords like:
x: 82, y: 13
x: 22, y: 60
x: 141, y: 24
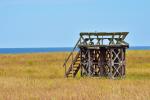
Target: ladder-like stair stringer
x: 74, y: 67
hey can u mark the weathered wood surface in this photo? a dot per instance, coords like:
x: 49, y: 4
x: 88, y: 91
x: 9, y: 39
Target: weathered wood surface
x: 97, y: 58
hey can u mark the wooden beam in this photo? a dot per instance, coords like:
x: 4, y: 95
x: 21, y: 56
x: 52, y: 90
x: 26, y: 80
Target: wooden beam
x: 103, y: 33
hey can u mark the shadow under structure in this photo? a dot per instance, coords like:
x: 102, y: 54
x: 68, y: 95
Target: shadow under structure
x: 99, y: 54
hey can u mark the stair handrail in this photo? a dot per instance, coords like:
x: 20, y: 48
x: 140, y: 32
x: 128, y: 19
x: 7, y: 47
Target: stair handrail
x: 72, y: 52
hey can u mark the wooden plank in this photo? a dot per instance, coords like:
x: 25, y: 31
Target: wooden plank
x: 103, y: 33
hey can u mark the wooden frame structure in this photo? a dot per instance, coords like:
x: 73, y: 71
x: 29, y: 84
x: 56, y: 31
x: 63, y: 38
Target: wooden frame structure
x: 100, y: 54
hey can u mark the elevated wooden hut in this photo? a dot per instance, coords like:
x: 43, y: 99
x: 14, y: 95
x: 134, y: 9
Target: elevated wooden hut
x: 99, y: 54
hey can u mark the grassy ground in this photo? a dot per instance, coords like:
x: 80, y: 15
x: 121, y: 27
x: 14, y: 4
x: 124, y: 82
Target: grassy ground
x: 40, y: 76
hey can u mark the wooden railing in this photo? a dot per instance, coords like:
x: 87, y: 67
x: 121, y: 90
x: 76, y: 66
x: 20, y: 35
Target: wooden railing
x: 71, y: 56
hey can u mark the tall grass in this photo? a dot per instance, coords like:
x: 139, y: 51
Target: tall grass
x: 41, y: 76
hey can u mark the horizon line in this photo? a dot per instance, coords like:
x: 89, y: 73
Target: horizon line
x: 54, y: 47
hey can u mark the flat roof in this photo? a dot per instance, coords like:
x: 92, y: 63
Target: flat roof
x: 103, y: 33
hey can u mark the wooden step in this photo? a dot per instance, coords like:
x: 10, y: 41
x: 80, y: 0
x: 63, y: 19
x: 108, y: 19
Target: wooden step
x: 72, y: 70
x: 76, y: 65
x: 77, y: 62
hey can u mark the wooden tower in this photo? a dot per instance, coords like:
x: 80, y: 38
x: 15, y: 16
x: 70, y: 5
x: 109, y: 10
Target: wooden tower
x: 99, y: 54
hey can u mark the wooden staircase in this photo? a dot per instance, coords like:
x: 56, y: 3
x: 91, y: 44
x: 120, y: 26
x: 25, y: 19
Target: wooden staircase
x: 74, y: 67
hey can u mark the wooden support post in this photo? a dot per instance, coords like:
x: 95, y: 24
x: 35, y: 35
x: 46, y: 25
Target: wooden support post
x: 102, y: 61
x: 110, y: 63
x: 89, y: 63
x: 81, y: 65
x: 124, y: 61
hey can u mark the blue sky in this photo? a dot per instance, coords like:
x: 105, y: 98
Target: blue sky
x: 57, y: 23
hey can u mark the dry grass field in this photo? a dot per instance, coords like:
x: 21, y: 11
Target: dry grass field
x: 40, y: 76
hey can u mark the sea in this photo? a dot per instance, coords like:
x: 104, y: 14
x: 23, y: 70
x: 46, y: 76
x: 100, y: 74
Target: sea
x: 53, y: 49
